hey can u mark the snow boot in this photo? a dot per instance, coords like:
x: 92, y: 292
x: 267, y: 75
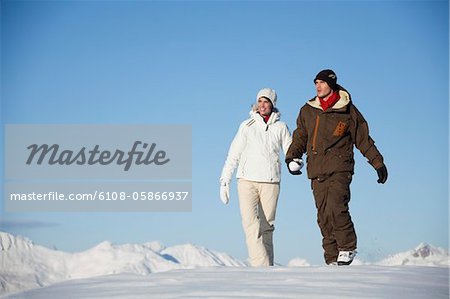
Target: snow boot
x: 345, y: 258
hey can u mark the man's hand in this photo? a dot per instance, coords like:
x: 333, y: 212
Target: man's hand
x: 224, y: 192
x: 382, y: 174
x: 294, y: 166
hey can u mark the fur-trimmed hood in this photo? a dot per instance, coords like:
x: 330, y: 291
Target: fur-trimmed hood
x: 344, y: 100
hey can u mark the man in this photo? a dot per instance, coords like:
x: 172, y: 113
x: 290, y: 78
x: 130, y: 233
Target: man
x: 328, y: 126
x: 255, y: 152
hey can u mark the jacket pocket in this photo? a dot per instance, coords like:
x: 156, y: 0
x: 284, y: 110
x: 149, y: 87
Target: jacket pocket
x: 341, y: 160
x: 345, y: 157
x: 241, y: 168
x: 340, y: 129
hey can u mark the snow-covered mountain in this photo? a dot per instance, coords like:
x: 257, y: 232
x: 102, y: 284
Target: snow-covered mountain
x: 189, y: 256
x: 24, y: 265
x: 423, y: 255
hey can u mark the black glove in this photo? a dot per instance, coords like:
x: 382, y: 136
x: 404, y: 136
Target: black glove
x: 382, y: 174
x: 294, y: 166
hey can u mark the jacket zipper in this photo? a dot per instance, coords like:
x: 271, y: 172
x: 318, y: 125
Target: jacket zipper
x: 316, y: 129
x: 270, y: 159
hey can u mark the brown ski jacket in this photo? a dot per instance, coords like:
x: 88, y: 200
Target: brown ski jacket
x: 327, y: 137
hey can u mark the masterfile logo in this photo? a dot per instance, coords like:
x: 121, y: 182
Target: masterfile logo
x: 98, y: 168
x: 53, y: 155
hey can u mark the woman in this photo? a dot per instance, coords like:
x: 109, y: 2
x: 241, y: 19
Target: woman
x: 255, y: 153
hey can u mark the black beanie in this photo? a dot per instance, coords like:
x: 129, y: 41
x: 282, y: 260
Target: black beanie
x: 328, y: 76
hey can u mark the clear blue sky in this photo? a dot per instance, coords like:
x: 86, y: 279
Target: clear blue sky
x: 202, y: 63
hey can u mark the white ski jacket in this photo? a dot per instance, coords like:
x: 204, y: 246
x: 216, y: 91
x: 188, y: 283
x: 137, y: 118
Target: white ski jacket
x: 256, y: 148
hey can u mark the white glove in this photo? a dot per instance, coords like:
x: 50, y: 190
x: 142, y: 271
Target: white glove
x: 295, y: 165
x: 224, y: 192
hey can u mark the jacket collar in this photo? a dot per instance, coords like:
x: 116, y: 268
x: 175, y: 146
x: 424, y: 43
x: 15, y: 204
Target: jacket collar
x: 274, y: 117
x: 343, y: 101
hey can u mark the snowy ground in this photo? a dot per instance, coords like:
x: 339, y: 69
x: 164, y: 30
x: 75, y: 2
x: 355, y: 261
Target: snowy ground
x: 365, y: 281
x: 151, y: 270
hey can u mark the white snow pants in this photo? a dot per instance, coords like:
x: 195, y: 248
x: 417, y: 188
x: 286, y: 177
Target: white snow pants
x: 258, y: 203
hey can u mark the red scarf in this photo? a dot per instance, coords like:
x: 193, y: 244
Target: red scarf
x: 266, y: 117
x: 333, y: 99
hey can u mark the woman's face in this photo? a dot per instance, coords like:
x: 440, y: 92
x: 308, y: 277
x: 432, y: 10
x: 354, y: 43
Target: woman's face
x: 264, y: 106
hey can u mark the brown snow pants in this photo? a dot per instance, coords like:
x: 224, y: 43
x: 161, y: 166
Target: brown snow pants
x: 332, y: 195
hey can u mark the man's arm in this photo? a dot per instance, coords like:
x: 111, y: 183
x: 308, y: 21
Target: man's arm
x: 364, y: 142
x: 366, y: 146
x: 299, y: 140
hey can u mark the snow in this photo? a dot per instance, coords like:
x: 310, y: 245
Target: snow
x: 298, y: 262
x: 151, y: 270
x: 25, y: 265
x: 245, y: 282
x: 196, y: 256
x: 423, y: 255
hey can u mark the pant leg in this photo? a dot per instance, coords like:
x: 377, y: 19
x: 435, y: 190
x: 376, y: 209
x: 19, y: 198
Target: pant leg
x: 248, y: 203
x: 343, y: 227
x: 332, y: 197
x: 329, y: 245
x: 269, y: 193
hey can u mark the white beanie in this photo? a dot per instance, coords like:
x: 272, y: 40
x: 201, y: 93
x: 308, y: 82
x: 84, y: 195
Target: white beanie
x: 268, y: 93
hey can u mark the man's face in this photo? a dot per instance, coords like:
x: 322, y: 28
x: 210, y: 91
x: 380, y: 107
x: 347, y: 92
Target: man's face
x: 264, y: 106
x: 322, y: 89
